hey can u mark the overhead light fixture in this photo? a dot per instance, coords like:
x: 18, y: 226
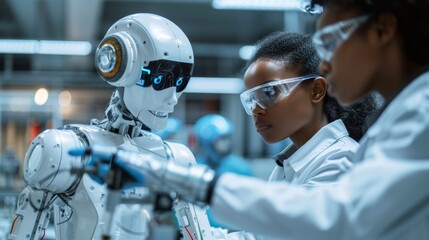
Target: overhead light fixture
x: 16, y: 46
x: 215, y: 85
x: 246, y: 52
x: 279, y: 5
x: 64, y: 98
x: 41, y: 96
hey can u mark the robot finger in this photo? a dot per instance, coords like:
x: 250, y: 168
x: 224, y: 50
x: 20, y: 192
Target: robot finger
x: 98, y: 152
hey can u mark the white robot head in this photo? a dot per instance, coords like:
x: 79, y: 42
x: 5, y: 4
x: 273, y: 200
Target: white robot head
x: 152, y: 59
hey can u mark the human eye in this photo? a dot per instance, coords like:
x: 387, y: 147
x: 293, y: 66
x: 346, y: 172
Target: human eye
x: 330, y: 45
x: 270, y: 91
x: 329, y: 42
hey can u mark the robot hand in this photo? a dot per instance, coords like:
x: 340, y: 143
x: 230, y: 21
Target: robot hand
x: 106, y: 162
x: 192, y: 183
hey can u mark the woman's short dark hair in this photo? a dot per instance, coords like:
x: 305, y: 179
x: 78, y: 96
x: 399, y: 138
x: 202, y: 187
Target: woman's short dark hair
x: 296, y: 50
x: 412, y: 19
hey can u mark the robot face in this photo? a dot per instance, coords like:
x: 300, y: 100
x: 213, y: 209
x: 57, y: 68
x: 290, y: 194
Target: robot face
x: 163, y: 74
x: 157, y: 91
x: 223, y: 145
x: 151, y: 106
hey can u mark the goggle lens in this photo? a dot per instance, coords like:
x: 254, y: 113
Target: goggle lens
x: 268, y: 94
x: 327, y: 39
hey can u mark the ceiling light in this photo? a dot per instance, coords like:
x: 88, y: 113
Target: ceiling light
x: 41, y: 96
x: 246, y: 52
x: 215, y: 85
x: 279, y: 5
x: 15, y: 46
x: 64, y: 98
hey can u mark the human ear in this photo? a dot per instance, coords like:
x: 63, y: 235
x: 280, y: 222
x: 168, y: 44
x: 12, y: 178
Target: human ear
x: 385, y: 28
x: 318, y: 90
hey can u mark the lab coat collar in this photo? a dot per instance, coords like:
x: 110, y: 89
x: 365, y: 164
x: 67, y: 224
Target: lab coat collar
x: 324, y: 138
x: 285, y: 154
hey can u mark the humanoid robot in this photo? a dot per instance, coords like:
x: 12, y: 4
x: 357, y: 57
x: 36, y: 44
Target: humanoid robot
x: 150, y: 61
x: 214, y: 137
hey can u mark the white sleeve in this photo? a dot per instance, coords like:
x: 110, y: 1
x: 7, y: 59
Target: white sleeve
x: 347, y: 210
x: 329, y: 169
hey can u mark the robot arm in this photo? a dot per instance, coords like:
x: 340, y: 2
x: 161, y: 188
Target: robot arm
x: 32, y: 214
x: 52, y: 184
x: 47, y: 172
x: 192, y: 183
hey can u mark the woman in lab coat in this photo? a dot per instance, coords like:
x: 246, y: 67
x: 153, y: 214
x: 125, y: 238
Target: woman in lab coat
x: 365, y: 46
x: 287, y: 98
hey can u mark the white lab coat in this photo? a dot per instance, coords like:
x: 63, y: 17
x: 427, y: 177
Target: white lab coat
x: 386, y: 196
x: 321, y: 160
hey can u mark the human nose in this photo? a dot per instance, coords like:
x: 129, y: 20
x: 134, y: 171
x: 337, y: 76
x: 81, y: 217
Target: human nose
x: 325, y: 67
x: 257, y: 109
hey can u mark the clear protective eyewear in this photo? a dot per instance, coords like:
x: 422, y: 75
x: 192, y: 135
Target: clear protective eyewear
x: 268, y: 94
x: 327, y: 39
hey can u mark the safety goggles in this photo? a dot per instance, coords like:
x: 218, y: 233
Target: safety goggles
x: 163, y: 74
x: 268, y: 94
x: 327, y: 39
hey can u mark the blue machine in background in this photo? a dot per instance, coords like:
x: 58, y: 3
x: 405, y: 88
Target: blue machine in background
x: 215, y: 149
x: 214, y: 137
x: 174, y: 125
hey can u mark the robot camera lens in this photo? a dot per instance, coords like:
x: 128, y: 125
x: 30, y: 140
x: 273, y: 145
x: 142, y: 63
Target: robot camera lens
x: 106, y: 58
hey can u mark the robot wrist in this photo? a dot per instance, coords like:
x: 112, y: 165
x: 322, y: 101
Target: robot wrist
x: 194, y: 183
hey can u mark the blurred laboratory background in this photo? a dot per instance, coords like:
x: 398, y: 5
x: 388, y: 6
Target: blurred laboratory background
x: 48, y: 78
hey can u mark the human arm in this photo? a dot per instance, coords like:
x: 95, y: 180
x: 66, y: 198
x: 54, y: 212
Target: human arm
x: 328, y: 169
x: 348, y: 210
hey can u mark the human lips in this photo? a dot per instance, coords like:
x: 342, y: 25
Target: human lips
x: 261, y: 127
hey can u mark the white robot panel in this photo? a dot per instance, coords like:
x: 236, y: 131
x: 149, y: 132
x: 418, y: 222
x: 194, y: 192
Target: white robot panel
x: 55, y: 180
x: 47, y: 163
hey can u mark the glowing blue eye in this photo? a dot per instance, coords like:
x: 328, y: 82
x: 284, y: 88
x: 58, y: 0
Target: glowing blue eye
x: 158, y: 79
x: 179, y: 81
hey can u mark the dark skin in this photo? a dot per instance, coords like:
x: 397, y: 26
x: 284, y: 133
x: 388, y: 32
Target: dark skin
x: 372, y: 59
x: 299, y: 115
